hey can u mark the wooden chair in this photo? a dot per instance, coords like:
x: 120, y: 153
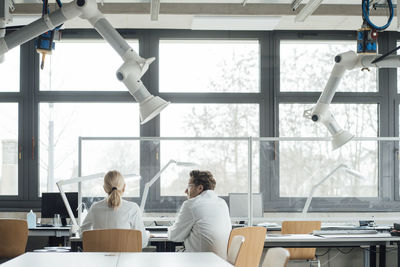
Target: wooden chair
x: 112, y: 240
x: 276, y: 257
x: 234, y: 248
x: 301, y: 227
x: 251, y: 250
x: 13, y: 238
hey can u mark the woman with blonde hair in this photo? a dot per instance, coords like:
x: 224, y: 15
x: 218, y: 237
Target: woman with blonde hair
x: 114, y: 212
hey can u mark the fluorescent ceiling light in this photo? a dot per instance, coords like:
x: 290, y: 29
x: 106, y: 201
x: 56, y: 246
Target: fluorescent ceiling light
x: 235, y: 23
x: 306, y: 11
x: 154, y: 9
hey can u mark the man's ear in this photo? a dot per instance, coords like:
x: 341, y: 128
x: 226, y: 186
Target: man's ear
x: 201, y: 188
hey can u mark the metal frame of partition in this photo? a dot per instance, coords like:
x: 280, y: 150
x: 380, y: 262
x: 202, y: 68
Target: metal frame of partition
x: 249, y: 140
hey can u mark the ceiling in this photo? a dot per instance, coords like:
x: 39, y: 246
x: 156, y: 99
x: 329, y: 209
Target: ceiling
x: 216, y: 15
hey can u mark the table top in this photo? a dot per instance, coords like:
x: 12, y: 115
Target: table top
x: 93, y: 259
x: 275, y: 240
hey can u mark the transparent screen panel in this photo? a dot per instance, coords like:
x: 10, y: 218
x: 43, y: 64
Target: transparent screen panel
x: 101, y: 156
x: 61, y: 125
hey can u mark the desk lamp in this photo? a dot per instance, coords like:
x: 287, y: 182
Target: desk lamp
x: 341, y: 166
x: 155, y: 178
x: 60, y: 184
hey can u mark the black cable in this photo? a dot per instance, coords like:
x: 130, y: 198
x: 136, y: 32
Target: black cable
x: 348, y: 252
x: 376, y: 60
x: 323, y: 254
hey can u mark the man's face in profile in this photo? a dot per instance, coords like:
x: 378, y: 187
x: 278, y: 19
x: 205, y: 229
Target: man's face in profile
x: 193, y: 190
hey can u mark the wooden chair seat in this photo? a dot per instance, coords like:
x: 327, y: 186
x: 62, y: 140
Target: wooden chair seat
x: 13, y: 237
x: 112, y: 240
x: 300, y: 227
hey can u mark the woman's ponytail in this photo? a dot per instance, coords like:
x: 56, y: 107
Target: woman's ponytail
x: 114, y: 185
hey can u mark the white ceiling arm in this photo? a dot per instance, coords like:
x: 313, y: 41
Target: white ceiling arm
x: 130, y: 73
x: 66, y: 12
x: 320, y: 112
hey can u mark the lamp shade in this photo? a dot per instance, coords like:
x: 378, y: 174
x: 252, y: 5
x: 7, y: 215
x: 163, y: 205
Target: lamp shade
x: 340, y: 139
x: 151, y: 107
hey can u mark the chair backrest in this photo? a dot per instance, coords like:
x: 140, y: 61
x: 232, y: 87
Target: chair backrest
x: 276, y: 257
x: 251, y: 250
x: 13, y: 237
x: 300, y: 227
x: 112, y: 240
x: 234, y: 248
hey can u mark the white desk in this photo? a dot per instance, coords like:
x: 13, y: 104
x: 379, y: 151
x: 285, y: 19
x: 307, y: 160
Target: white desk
x: 303, y: 241
x: 118, y: 260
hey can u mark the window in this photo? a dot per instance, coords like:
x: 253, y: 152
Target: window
x: 209, y: 66
x: 9, y: 72
x: 226, y: 159
x: 302, y: 164
x: 306, y: 66
x: 83, y: 66
x: 61, y: 125
x: 9, y: 149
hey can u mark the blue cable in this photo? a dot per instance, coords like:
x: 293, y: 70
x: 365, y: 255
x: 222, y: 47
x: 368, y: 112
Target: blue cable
x: 365, y: 11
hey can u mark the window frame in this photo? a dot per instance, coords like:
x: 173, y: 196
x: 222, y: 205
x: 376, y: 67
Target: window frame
x: 268, y: 99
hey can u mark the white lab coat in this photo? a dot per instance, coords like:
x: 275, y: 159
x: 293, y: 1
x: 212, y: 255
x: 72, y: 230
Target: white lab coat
x: 126, y: 216
x: 203, y: 223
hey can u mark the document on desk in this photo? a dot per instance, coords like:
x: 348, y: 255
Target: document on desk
x: 378, y: 235
x: 158, y: 235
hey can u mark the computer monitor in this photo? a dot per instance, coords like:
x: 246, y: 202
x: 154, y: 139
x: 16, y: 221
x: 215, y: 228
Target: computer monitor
x: 52, y: 203
x: 238, y: 205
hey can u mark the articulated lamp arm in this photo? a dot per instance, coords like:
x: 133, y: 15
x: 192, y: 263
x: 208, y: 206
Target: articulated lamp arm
x: 129, y: 73
x: 151, y: 182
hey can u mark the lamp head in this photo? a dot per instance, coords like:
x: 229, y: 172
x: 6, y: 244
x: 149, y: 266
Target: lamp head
x: 151, y: 107
x: 341, y: 138
x: 355, y: 173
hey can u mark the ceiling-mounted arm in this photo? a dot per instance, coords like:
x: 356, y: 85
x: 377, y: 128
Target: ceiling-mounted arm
x: 345, y: 61
x: 129, y: 73
x: 320, y: 112
x: 48, y: 22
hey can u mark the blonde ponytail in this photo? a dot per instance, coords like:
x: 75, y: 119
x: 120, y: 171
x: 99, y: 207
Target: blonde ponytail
x: 114, y: 185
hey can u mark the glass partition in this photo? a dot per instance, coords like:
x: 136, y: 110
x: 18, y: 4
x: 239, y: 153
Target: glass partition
x: 288, y: 177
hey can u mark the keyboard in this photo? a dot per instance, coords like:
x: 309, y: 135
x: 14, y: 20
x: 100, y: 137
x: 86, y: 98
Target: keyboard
x: 160, y: 228
x: 345, y: 232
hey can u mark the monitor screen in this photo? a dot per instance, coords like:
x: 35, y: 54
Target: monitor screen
x: 238, y: 205
x: 52, y: 203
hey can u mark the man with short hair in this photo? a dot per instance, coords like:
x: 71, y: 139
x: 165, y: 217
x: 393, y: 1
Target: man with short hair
x: 203, y: 222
